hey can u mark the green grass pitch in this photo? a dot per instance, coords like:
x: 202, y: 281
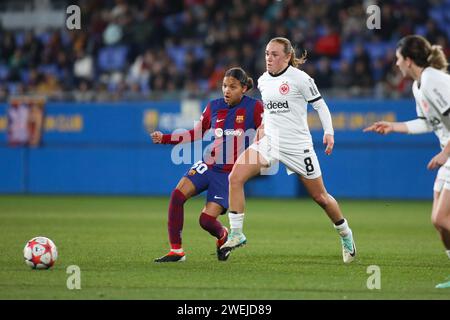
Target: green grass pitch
x: 292, y: 253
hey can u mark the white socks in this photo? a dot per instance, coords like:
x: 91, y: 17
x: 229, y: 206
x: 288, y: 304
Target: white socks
x: 448, y: 253
x: 236, y: 221
x: 343, y: 229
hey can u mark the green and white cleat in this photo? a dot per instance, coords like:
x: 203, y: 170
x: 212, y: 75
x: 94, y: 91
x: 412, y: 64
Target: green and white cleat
x: 348, y: 248
x: 443, y: 285
x: 235, y: 240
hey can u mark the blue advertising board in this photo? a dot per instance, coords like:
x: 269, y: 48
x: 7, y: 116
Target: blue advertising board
x: 105, y: 149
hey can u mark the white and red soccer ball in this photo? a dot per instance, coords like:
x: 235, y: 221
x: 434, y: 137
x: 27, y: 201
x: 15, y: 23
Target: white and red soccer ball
x: 40, y: 253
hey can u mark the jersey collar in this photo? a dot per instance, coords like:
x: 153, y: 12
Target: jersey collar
x: 231, y: 107
x: 419, y: 81
x: 280, y: 73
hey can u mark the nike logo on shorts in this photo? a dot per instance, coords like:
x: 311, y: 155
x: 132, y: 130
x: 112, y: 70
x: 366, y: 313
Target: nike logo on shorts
x: 216, y: 197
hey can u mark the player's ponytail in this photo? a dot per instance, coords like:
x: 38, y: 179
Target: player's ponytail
x: 419, y: 50
x: 437, y: 58
x: 240, y: 75
x: 250, y: 84
x: 289, y: 49
x: 298, y: 61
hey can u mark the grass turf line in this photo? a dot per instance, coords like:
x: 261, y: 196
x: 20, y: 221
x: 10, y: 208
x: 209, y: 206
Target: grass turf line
x: 293, y: 252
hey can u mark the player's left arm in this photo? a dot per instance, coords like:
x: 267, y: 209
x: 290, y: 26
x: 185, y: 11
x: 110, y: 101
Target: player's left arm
x: 440, y: 159
x: 437, y: 92
x: 325, y: 118
x: 309, y: 90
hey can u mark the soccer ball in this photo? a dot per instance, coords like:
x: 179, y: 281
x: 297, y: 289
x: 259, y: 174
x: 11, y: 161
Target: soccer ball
x: 40, y: 253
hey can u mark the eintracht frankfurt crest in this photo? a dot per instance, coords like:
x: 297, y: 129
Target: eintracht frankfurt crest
x: 284, y: 88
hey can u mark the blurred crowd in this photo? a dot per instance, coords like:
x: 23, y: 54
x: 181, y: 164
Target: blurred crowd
x: 160, y: 49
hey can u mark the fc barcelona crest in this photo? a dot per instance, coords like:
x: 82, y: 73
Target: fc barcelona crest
x: 239, y: 119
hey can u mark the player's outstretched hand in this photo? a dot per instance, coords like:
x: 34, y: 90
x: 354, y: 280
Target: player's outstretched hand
x: 328, y: 140
x: 381, y: 127
x: 438, y: 160
x: 156, y: 136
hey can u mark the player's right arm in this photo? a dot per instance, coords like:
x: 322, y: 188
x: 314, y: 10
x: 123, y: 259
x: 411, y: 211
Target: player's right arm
x: 187, y: 136
x: 385, y: 127
x: 156, y: 136
x: 415, y: 126
x: 258, y: 117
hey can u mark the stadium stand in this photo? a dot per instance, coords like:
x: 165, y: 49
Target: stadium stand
x: 156, y: 49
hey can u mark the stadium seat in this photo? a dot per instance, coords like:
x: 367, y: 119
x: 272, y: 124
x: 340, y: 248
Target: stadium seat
x: 174, y: 22
x: 19, y: 38
x: 420, y: 29
x: 437, y: 15
x: 24, y: 75
x: 144, y: 86
x: 112, y: 58
x: 348, y: 51
x: 377, y: 49
x: 4, y: 72
x: 335, y: 64
x: 49, y: 69
x: 12, y: 88
x: 203, y: 84
x: 177, y: 54
x: 199, y: 51
x: 44, y: 37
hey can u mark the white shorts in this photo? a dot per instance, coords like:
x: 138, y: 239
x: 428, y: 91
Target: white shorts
x: 305, y: 164
x: 442, y: 179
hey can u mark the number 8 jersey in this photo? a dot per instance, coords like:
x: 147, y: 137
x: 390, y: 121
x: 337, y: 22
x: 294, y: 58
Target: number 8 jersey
x: 285, y: 97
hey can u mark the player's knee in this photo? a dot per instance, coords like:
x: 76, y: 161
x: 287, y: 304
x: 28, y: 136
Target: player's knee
x: 322, y: 199
x: 205, y: 221
x: 235, y: 180
x: 202, y: 221
x: 440, y: 222
x: 434, y: 221
x: 177, y: 197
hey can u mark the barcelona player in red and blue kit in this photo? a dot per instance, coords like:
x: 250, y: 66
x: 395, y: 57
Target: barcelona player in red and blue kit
x: 230, y: 118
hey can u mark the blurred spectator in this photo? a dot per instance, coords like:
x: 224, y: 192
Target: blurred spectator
x: 329, y: 44
x: 83, y: 67
x: 158, y: 49
x: 343, y: 78
x: 362, y: 77
x: 395, y: 85
x: 433, y: 32
x: 84, y: 93
x: 50, y: 87
x: 324, y: 74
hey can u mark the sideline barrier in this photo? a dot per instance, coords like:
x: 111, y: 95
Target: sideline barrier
x: 105, y: 149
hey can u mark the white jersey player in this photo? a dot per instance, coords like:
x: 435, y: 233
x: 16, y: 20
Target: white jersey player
x: 286, y: 97
x: 284, y: 136
x: 427, y: 65
x: 433, y: 105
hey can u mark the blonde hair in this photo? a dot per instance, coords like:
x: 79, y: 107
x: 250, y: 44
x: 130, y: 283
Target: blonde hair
x: 419, y: 50
x: 437, y: 58
x: 289, y: 49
